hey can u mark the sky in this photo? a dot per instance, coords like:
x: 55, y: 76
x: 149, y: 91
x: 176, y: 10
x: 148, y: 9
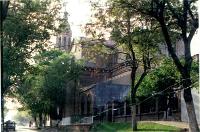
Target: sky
x: 79, y: 14
x: 12, y: 105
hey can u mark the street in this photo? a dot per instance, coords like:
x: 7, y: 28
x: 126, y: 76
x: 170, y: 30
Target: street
x: 33, y: 129
x: 26, y: 129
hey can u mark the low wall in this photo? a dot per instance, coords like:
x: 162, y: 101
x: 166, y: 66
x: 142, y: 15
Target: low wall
x: 76, y: 128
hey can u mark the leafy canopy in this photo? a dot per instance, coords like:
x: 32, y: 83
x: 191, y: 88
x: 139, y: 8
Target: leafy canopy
x: 48, y: 86
x: 165, y: 76
x: 26, y: 31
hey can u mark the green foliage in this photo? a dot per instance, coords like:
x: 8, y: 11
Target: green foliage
x: 30, y: 94
x: 176, y: 19
x: 136, y: 37
x: 163, y: 77
x: 26, y: 30
x: 159, y: 79
x: 46, y: 57
x: 58, y: 77
x: 50, y: 83
x: 113, y: 19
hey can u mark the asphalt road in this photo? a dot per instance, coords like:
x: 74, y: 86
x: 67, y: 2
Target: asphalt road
x: 24, y: 129
x: 28, y: 129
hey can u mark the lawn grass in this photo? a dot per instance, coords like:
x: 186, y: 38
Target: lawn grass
x: 126, y: 127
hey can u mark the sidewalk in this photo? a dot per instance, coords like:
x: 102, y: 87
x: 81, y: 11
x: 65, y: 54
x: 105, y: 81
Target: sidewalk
x: 53, y: 129
x: 182, y: 125
x: 178, y: 124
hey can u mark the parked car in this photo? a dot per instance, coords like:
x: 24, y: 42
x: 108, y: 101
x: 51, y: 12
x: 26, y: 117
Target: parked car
x: 9, y: 125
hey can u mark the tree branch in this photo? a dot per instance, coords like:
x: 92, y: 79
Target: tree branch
x: 169, y: 45
x: 139, y: 81
x: 184, y: 22
x: 129, y: 38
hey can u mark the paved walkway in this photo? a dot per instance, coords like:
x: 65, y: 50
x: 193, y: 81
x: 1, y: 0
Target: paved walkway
x: 33, y: 129
x: 25, y: 129
x: 173, y: 123
x: 50, y: 130
x: 182, y: 125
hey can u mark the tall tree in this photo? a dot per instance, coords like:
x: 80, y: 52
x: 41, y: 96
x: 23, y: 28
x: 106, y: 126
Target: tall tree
x: 177, y: 20
x: 31, y: 91
x: 26, y: 30
x: 133, y: 36
x: 180, y: 17
x: 59, y: 84
x: 31, y: 97
x: 50, y: 85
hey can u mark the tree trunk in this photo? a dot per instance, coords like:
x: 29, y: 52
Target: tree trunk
x: 75, y: 83
x: 187, y: 85
x: 51, y: 124
x: 133, y: 100
x: 185, y: 73
x: 45, y: 120
x: 134, y: 121
x: 133, y: 108
x: 193, y: 125
x: 40, y: 120
x: 35, y: 118
x: 2, y: 110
